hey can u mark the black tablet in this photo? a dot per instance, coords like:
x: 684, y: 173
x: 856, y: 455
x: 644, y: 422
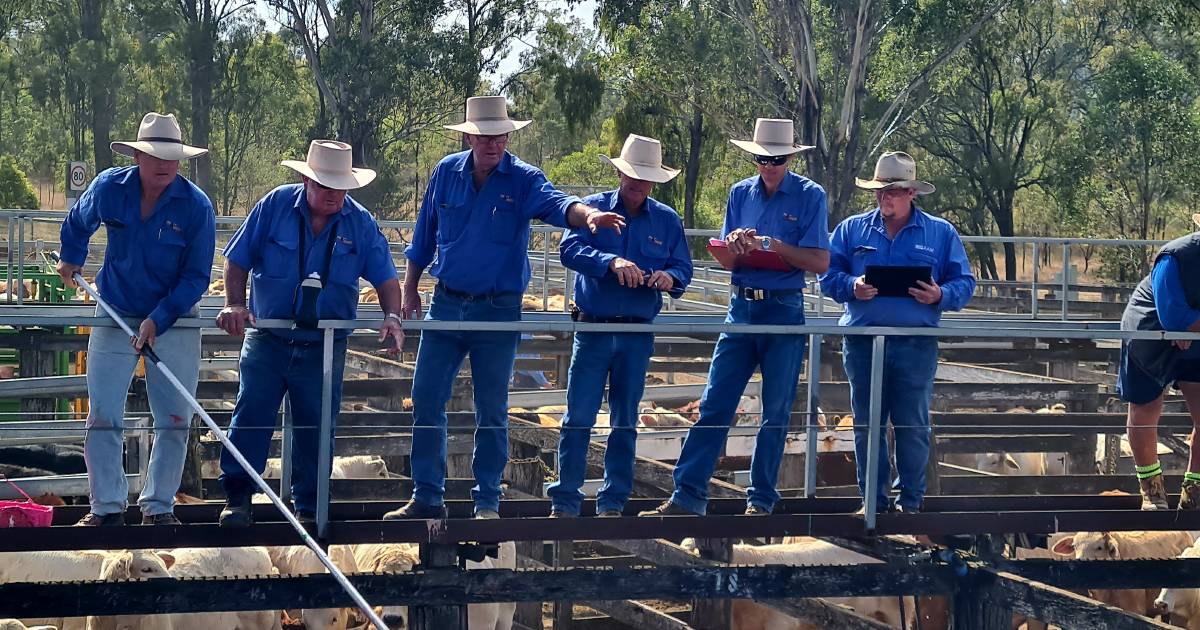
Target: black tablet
x: 894, y: 281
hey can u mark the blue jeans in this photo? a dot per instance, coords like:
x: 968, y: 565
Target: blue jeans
x: 439, y: 358
x: 620, y: 359
x: 271, y: 366
x: 909, y: 365
x: 780, y: 358
x: 110, y: 365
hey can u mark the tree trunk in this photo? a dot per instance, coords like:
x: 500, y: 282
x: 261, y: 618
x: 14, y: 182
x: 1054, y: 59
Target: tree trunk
x: 691, y: 179
x: 1003, y: 214
x: 100, y: 86
x: 203, y: 45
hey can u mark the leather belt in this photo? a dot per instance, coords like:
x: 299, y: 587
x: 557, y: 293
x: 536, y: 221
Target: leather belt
x: 579, y: 316
x: 750, y: 293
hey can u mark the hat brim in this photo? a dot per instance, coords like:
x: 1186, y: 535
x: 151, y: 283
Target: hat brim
x: 160, y: 150
x: 1196, y: 219
x: 488, y: 127
x: 356, y: 178
x: 772, y: 150
x: 656, y: 174
x: 922, y: 188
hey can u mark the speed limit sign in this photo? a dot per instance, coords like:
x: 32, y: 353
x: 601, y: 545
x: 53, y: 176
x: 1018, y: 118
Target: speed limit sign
x: 77, y: 176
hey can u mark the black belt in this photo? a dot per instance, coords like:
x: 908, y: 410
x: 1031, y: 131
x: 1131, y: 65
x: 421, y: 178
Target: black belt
x: 750, y: 293
x: 579, y: 316
x: 471, y: 297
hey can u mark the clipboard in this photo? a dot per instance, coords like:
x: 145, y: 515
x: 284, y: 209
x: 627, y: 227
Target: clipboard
x: 895, y: 281
x: 757, y: 259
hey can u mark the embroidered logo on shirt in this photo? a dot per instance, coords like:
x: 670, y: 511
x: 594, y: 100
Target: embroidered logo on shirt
x: 342, y: 240
x: 173, y: 226
x: 506, y: 198
x: 924, y: 248
x: 655, y: 240
x: 790, y: 217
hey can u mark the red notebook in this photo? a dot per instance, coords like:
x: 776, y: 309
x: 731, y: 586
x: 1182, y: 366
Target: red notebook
x: 758, y: 259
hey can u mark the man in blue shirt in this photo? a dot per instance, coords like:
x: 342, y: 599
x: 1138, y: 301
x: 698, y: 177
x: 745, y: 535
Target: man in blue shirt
x: 316, y: 233
x: 1163, y: 301
x: 161, y: 236
x: 619, y: 280
x: 896, y: 233
x: 473, y: 228
x: 777, y: 211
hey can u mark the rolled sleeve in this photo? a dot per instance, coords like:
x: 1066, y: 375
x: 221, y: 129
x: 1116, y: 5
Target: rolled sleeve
x: 679, y: 265
x: 195, y: 275
x: 81, y: 223
x: 1169, y: 296
x: 577, y: 253
x: 377, y: 264
x: 816, y: 233
x: 545, y: 202
x: 424, y: 241
x: 242, y: 249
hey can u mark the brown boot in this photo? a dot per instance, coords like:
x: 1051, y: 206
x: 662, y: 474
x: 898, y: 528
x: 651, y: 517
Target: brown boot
x: 1189, y: 496
x: 1154, y: 495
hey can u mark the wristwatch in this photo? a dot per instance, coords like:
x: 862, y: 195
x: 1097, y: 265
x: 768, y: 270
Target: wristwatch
x: 766, y: 243
x: 395, y: 316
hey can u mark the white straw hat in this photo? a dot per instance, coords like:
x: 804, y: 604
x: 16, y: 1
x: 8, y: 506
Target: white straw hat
x: 895, y: 169
x: 488, y: 116
x: 641, y: 158
x: 159, y: 136
x: 772, y: 136
x: 330, y: 163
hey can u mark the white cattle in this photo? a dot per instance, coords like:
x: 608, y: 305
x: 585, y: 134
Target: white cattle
x: 1183, y: 604
x: 300, y: 560
x: 660, y: 417
x: 225, y: 562
x: 1124, y: 546
x: 16, y: 624
x: 359, y: 467
x: 801, y: 550
x: 397, y: 558
x: 124, y: 565
x: 70, y: 566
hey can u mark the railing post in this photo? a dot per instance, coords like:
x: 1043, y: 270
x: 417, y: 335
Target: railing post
x: 285, y: 450
x: 20, y: 261
x: 325, y: 445
x: 8, y: 272
x: 876, y: 417
x: 1033, y: 299
x: 810, y: 432
x: 545, y: 271
x: 1066, y: 280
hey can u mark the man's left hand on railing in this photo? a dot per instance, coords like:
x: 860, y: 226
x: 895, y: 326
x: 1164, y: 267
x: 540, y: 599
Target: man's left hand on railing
x: 391, y: 330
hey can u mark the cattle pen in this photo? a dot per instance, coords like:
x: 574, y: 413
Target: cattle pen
x: 954, y: 558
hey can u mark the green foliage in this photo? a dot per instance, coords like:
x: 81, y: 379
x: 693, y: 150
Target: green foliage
x: 584, y: 168
x: 15, y: 190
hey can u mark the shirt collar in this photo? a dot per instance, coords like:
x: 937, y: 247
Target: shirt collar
x: 301, y: 203
x: 917, y: 219
x: 787, y: 185
x: 466, y: 163
x: 177, y: 187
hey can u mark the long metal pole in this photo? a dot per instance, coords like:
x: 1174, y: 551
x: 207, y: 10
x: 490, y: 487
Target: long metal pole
x: 873, y: 431
x: 814, y: 388
x: 1066, y: 279
x: 1033, y: 298
x: 545, y: 271
x: 241, y: 460
x: 8, y: 272
x: 20, y: 261
x: 325, y: 441
x: 285, y: 450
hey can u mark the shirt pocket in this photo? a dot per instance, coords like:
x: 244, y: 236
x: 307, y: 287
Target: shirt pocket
x: 345, y: 268
x: 452, y: 219
x: 860, y: 257
x: 503, y: 224
x: 919, y: 258
x: 787, y: 228
x: 169, y: 251
x: 279, y: 257
x: 653, y: 253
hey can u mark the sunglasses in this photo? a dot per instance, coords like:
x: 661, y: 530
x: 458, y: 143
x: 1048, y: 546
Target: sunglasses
x: 771, y: 160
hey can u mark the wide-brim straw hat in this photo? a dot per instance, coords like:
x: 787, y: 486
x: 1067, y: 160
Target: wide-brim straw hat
x: 160, y: 137
x: 1196, y: 219
x: 488, y: 116
x: 895, y: 169
x: 772, y: 137
x: 641, y: 158
x: 330, y: 163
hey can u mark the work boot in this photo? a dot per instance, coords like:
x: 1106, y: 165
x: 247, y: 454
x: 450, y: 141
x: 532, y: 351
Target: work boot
x: 306, y: 517
x: 557, y: 513
x: 416, y: 509
x: 668, y: 508
x: 757, y: 510
x: 91, y: 519
x: 1154, y: 495
x: 166, y: 518
x: 609, y: 514
x: 1189, y: 496
x: 486, y: 513
x: 237, y: 512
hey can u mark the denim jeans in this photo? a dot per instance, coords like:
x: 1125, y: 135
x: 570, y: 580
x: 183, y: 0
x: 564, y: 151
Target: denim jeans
x: 620, y: 360
x: 909, y: 365
x: 270, y: 367
x: 780, y: 358
x: 110, y: 365
x: 439, y: 358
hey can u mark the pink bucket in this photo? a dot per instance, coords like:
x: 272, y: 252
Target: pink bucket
x: 24, y: 513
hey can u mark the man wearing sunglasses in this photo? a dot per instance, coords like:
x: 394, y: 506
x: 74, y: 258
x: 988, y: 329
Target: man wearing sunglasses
x: 619, y: 280
x: 896, y: 233
x: 786, y: 213
x: 473, y: 233
x: 306, y: 245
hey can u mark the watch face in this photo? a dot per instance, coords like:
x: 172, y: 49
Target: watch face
x: 766, y: 242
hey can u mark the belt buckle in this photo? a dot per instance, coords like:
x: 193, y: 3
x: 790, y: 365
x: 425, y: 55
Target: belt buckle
x: 754, y: 294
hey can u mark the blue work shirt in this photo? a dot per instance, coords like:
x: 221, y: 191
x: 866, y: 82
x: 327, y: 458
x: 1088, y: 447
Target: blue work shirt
x: 796, y: 214
x: 478, y: 240
x: 157, y: 267
x: 926, y: 240
x: 1174, y: 313
x: 267, y: 245
x: 653, y: 240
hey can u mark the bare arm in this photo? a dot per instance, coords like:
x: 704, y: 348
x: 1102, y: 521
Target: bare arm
x: 389, y: 296
x: 234, y: 318
x: 411, y: 297
x: 811, y: 259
